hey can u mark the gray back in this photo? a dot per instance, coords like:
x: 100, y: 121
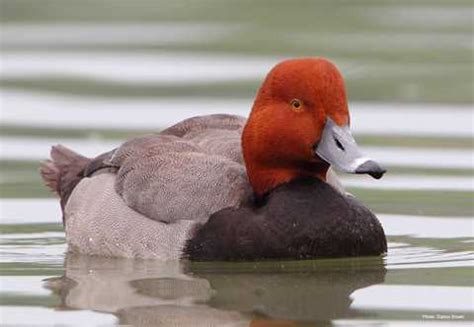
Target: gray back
x: 188, y: 171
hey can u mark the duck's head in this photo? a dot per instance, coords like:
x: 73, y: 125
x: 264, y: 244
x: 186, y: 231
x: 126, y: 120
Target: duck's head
x: 299, y: 126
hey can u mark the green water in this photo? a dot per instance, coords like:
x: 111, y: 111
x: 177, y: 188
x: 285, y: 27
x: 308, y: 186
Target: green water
x: 390, y: 52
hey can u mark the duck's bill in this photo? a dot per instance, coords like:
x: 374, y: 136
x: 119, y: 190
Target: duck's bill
x: 338, y: 148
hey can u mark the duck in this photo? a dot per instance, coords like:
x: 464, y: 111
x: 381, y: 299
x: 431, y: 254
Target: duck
x: 225, y: 188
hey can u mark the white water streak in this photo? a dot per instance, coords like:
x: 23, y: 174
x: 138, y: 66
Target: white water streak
x: 410, y: 182
x: 426, y: 226
x: 130, y: 67
x: 39, y: 110
x: 93, y: 34
x: 429, y: 298
x: 17, y: 315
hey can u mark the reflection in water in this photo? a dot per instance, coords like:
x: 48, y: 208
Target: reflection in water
x: 145, y: 292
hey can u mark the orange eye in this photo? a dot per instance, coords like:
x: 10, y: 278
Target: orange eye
x: 296, y: 104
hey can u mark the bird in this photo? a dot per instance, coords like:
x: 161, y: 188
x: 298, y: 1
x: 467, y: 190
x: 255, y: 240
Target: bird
x: 223, y: 187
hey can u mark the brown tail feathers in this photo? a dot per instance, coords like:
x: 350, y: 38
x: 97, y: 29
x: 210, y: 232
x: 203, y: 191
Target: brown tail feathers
x: 63, y: 171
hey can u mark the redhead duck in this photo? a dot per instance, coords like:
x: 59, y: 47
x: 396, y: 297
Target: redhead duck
x: 221, y: 187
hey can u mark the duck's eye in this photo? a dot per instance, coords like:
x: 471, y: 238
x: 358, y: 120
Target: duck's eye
x: 296, y: 104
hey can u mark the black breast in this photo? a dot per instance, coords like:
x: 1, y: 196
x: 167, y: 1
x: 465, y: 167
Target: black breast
x: 299, y: 220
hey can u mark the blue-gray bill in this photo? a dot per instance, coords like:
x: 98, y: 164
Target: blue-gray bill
x: 338, y: 148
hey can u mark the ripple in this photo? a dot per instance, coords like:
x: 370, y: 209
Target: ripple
x: 410, y: 257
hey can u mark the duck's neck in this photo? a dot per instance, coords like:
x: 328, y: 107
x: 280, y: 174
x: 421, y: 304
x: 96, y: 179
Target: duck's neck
x: 264, y: 179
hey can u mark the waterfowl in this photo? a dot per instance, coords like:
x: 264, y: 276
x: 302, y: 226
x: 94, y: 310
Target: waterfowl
x: 221, y: 187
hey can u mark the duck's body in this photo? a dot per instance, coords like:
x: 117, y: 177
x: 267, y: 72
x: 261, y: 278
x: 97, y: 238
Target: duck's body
x: 153, y: 196
x: 159, y: 186
x: 186, y: 172
x: 302, y: 219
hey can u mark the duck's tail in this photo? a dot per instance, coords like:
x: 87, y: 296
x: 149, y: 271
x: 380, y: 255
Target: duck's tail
x: 63, y: 171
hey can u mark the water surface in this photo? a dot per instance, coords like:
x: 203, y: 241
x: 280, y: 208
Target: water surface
x: 91, y: 74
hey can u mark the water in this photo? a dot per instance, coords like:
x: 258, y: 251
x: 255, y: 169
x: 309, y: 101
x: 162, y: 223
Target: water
x: 88, y: 76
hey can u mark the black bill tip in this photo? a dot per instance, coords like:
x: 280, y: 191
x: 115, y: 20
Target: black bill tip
x: 372, y: 168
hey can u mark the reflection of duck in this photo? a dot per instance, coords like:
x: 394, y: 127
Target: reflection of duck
x: 157, y: 293
x: 316, y: 290
x: 148, y: 197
